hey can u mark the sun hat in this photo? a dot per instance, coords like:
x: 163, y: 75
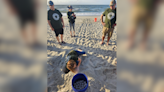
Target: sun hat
x: 51, y: 3
x: 69, y: 7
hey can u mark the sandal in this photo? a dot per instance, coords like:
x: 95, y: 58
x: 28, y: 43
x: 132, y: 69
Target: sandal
x: 59, y: 43
x: 63, y: 42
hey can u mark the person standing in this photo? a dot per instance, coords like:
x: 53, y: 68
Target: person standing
x: 56, y: 21
x: 110, y: 21
x: 142, y: 12
x: 26, y: 13
x: 71, y: 17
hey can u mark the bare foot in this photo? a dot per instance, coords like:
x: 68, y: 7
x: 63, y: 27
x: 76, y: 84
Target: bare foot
x: 130, y: 46
x: 107, y: 43
x: 79, y: 49
x: 101, y: 43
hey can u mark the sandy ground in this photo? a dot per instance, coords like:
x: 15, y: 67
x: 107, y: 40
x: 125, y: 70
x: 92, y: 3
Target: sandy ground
x: 98, y: 64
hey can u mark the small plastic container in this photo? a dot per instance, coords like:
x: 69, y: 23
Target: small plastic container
x: 95, y: 20
x: 80, y: 76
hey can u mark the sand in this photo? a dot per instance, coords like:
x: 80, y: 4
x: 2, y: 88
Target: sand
x: 98, y: 64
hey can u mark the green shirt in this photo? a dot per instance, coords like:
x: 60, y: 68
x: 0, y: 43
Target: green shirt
x: 147, y: 4
x: 70, y: 17
x: 55, y: 18
x: 110, y: 17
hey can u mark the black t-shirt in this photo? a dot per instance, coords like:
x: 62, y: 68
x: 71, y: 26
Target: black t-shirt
x: 55, y: 18
x: 23, y: 5
x: 70, y: 17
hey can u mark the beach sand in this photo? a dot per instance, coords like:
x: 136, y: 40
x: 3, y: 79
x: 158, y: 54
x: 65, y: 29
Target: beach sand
x: 98, y: 64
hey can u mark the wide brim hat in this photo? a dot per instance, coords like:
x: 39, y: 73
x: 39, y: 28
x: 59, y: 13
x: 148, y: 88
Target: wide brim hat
x: 69, y: 7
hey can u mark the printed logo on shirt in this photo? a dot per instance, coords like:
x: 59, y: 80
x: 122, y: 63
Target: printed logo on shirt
x: 55, y: 16
x: 111, y: 15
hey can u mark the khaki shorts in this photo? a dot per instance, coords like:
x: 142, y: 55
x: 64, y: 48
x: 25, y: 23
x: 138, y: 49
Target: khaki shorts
x: 108, y: 31
x: 141, y: 15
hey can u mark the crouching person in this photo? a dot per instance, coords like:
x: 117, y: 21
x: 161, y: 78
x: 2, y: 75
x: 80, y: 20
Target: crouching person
x: 73, y: 61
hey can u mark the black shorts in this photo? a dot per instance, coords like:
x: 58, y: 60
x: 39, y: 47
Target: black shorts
x: 27, y: 17
x: 58, y: 31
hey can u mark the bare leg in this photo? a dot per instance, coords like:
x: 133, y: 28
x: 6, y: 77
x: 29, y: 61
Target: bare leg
x: 144, y: 40
x: 131, y: 38
x: 61, y: 37
x: 24, y: 35
x: 34, y: 32
x: 57, y: 39
x: 74, y: 33
x: 102, y: 40
x: 108, y: 40
x: 71, y: 33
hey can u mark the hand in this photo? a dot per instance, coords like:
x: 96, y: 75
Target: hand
x: 13, y: 11
x: 103, y: 23
x: 63, y: 26
x: 113, y: 25
x: 52, y: 29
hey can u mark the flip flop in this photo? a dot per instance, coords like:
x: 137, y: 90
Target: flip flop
x: 63, y: 42
x: 59, y: 43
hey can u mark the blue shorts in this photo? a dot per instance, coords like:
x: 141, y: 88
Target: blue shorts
x: 79, y: 52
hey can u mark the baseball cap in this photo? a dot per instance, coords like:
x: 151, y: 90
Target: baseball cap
x: 113, y: 2
x: 70, y: 7
x: 51, y: 3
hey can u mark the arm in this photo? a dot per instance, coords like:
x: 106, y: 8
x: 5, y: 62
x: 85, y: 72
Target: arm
x: 115, y: 20
x: 68, y: 15
x: 77, y: 69
x: 75, y: 17
x: 133, y: 1
x: 11, y: 7
x: 62, y: 21
x: 37, y: 4
x: 79, y: 62
x: 50, y: 25
x: 102, y: 20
